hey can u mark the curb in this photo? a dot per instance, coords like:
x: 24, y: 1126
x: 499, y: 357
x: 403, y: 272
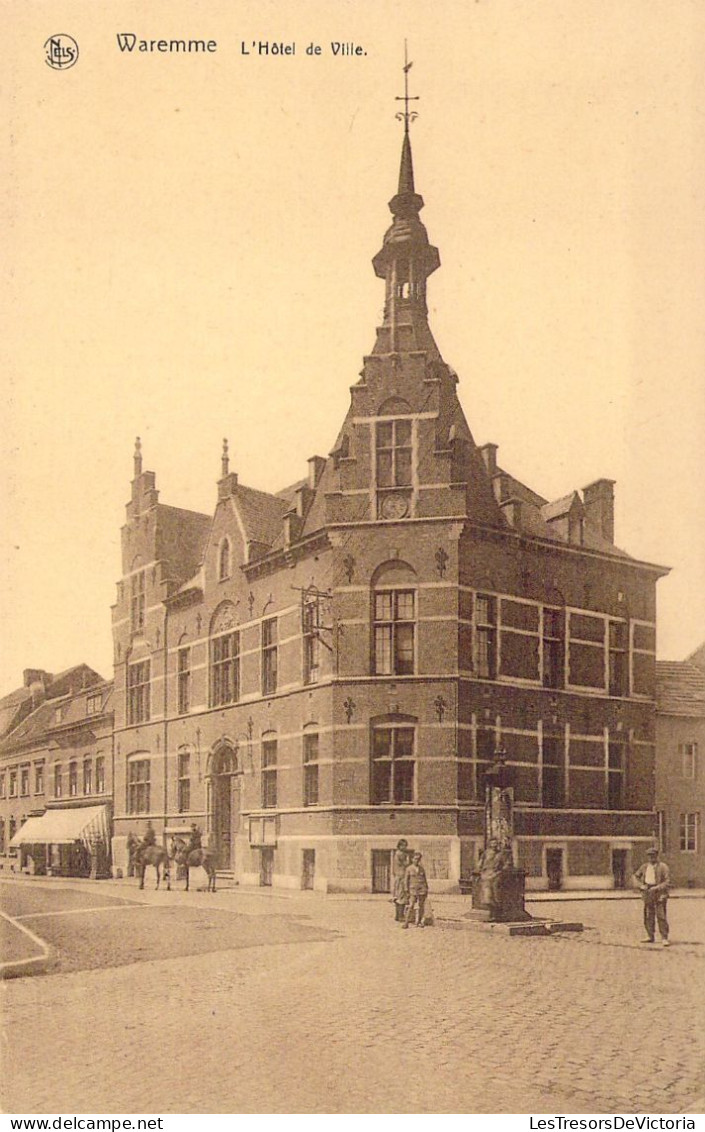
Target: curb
x: 31, y: 965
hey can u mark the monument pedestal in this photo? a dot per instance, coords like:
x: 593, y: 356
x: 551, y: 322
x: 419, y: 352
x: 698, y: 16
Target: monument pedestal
x: 499, y: 899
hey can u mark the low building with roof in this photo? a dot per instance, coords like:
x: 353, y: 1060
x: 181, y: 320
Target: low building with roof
x: 56, y: 776
x: 680, y: 781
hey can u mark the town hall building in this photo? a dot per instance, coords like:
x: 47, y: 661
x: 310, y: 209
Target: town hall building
x: 312, y: 674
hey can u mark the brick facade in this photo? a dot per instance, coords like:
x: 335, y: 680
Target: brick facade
x: 311, y: 675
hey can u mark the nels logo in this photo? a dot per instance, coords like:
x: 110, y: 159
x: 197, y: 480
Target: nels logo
x: 61, y: 52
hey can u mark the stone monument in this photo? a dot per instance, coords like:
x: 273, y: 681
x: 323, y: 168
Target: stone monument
x: 498, y: 886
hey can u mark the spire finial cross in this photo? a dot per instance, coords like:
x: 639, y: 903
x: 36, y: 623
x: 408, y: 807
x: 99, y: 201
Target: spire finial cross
x: 406, y: 116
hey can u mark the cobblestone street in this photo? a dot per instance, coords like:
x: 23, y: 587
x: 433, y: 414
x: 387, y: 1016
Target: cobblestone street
x: 354, y: 1015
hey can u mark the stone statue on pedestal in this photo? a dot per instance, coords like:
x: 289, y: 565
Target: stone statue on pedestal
x: 498, y: 887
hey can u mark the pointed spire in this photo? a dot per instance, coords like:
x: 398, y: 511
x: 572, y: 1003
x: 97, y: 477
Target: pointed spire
x: 225, y: 462
x: 138, y: 458
x: 406, y: 168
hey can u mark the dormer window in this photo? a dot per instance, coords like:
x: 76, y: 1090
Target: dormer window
x: 224, y: 560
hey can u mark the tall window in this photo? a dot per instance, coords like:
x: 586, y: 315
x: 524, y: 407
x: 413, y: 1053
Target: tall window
x: 100, y: 775
x: 184, y: 680
x: 643, y: 659
x: 618, y: 658
x: 138, y: 786
x: 2, y: 785
x: 689, y: 759
x: 137, y: 601
x: 225, y: 669
x: 269, y: 774
x: 553, y: 652
x: 94, y: 704
x: 184, y: 800
x: 394, y: 633
x: 2, y: 835
x: 224, y: 560
x: 689, y: 829
x: 269, y: 656
x: 138, y: 692
x: 13, y: 783
x: 73, y: 779
x: 615, y: 776
x: 310, y: 769
x: 393, y: 764
x: 58, y: 781
x: 587, y: 651
x: 485, y: 635
x: 553, y: 790
x: 393, y: 453
x: 312, y: 644
x: 87, y: 776
x: 24, y: 781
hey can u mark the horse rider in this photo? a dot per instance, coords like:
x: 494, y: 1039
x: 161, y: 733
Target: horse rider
x: 149, y: 837
x: 194, y: 839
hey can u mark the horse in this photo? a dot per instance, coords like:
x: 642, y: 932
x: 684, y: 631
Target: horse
x: 195, y: 859
x: 152, y: 855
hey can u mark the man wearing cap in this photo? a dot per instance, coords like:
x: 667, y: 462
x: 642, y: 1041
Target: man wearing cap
x: 653, y: 879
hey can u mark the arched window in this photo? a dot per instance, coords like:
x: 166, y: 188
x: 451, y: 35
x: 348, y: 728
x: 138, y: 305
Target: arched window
x: 224, y: 560
x: 224, y: 657
x: 394, y: 620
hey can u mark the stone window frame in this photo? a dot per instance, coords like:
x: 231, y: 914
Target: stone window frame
x: 689, y: 831
x: 688, y: 752
x: 138, y: 783
x: 396, y: 725
x: 138, y: 692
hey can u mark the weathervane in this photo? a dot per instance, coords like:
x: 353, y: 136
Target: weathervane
x: 406, y: 116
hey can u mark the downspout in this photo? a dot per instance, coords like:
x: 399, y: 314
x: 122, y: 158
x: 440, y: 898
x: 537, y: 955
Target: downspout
x: 166, y: 701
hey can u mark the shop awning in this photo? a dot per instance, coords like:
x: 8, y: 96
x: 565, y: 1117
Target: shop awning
x: 63, y: 827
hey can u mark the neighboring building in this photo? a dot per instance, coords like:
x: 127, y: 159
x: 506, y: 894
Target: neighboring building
x: 680, y: 782
x: 56, y: 776
x: 311, y: 674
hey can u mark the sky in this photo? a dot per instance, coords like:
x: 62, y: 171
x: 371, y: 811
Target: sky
x: 189, y: 242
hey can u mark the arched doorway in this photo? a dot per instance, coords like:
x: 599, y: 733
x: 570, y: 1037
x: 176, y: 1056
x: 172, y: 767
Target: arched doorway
x: 223, y: 803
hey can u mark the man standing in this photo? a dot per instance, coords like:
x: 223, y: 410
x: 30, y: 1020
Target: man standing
x: 416, y: 887
x: 653, y: 879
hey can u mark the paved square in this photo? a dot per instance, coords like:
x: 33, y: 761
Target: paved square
x: 330, y: 1007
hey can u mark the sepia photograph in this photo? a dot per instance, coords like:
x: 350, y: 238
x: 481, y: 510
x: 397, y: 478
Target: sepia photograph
x: 353, y: 562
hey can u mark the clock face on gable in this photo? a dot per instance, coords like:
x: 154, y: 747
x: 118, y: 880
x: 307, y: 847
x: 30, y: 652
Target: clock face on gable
x: 394, y: 507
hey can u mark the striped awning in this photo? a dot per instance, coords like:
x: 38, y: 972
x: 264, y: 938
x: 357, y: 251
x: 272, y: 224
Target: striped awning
x: 63, y: 827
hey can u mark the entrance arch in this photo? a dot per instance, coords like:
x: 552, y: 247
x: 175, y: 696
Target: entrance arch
x: 223, y: 782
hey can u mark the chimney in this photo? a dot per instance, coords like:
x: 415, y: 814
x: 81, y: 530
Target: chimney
x: 489, y: 457
x: 303, y: 499
x: 292, y: 527
x: 511, y: 509
x: 598, y: 499
x: 32, y: 676
x: 316, y: 464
